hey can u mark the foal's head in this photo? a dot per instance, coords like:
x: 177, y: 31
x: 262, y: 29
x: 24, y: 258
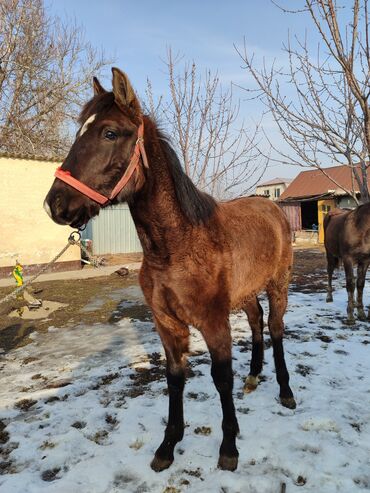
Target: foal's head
x: 102, y: 153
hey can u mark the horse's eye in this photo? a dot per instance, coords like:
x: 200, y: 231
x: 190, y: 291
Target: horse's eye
x: 110, y: 135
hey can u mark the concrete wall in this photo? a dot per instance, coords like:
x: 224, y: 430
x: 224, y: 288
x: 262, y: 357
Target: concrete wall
x: 304, y: 237
x: 26, y: 232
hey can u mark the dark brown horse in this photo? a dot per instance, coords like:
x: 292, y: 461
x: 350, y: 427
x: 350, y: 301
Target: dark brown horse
x: 201, y: 258
x: 347, y: 238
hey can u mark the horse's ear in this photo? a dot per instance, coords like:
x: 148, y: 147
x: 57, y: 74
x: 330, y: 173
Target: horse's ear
x: 124, y: 94
x: 98, y: 88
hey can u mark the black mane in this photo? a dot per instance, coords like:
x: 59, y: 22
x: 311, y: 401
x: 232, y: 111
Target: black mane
x: 197, y: 206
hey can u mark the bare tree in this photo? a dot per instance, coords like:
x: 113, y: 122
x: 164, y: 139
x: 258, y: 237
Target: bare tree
x: 46, y: 68
x: 320, y: 103
x: 218, y: 153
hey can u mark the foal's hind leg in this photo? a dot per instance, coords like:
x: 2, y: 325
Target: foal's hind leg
x: 350, y: 286
x: 278, y: 297
x: 361, y: 275
x: 175, y: 341
x: 330, y: 266
x: 254, y: 313
x: 218, y: 340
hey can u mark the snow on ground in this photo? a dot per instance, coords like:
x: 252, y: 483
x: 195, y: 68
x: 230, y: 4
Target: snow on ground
x: 84, y: 409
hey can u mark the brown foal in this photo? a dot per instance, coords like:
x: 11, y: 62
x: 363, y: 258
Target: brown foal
x: 202, y: 258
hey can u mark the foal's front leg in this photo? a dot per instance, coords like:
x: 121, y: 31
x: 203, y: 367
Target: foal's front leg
x: 218, y: 340
x: 176, y: 343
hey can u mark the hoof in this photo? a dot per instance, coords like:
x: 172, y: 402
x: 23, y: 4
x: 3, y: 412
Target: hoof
x: 159, y: 464
x: 251, y: 384
x: 288, y: 402
x: 329, y: 298
x: 350, y: 321
x: 361, y: 315
x: 227, y: 463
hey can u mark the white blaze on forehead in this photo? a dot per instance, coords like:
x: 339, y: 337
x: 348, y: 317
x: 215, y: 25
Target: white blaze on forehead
x: 86, y: 124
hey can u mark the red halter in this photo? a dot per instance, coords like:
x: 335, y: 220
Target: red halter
x: 139, y: 151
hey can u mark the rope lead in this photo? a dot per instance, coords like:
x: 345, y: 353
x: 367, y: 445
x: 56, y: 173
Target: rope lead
x: 73, y: 239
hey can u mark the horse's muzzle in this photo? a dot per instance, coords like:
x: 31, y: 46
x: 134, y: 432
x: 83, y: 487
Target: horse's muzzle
x: 67, y: 209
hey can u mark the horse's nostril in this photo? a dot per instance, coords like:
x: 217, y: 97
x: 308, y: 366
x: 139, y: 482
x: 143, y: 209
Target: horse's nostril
x: 56, y: 207
x: 59, y: 204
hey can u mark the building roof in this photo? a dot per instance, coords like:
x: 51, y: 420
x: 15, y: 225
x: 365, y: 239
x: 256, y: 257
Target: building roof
x: 274, y: 181
x: 31, y: 157
x: 314, y: 183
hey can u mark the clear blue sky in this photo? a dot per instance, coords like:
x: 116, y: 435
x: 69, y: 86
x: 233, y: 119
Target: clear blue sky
x: 137, y: 33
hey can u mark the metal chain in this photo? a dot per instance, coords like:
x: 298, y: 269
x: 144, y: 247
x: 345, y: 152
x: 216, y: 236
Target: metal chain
x: 71, y: 241
x: 96, y: 262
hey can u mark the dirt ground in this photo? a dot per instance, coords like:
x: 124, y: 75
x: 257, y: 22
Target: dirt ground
x: 309, y: 270
x: 104, y: 299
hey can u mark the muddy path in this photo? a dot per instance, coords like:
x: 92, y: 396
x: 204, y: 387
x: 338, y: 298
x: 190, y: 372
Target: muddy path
x: 87, y: 301
x: 111, y: 298
x: 309, y: 271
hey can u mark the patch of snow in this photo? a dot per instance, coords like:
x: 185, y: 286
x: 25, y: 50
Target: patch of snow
x: 85, y: 407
